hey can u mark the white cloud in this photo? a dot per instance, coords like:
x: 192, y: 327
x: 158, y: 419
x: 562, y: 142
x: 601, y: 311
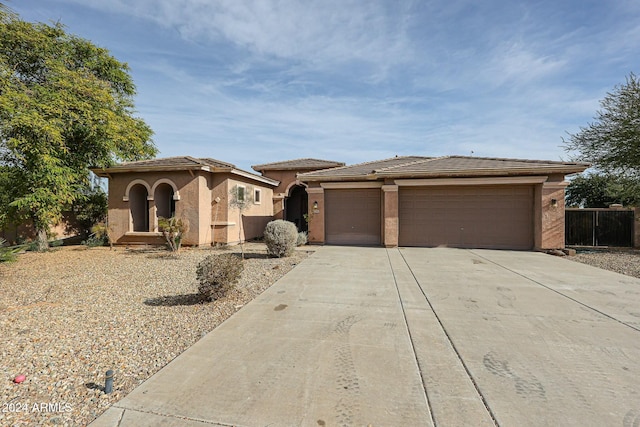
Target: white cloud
x: 515, y: 62
x: 251, y: 81
x: 317, y: 31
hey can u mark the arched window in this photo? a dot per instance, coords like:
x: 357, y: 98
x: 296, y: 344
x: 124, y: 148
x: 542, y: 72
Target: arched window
x: 139, y: 206
x: 165, y: 202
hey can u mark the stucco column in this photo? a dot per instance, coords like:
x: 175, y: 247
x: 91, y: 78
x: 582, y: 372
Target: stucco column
x: 390, y: 215
x: 316, y: 215
x: 550, y: 224
x: 153, y: 221
x: 278, y: 206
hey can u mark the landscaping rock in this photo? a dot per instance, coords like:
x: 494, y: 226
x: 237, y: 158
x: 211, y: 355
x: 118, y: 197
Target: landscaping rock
x: 71, y: 314
x: 556, y: 252
x: 625, y: 261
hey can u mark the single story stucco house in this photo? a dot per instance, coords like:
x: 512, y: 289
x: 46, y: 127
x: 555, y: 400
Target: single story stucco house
x: 453, y: 201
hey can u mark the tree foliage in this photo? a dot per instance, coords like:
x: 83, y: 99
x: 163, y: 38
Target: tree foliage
x: 90, y: 208
x: 612, y: 142
x: 597, y: 190
x: 65, y: 105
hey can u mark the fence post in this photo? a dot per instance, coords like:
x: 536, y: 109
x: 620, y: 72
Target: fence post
x: 636, y: 227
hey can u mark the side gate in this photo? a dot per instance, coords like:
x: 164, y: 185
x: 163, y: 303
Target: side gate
x: 599, y: 227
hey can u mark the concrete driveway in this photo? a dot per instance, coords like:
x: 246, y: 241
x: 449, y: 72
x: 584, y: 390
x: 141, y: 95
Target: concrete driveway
x: 381, y: 337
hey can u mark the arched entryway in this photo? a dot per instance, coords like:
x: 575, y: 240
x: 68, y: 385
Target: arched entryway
x: 165, y: 203
x: 139, y: 206
x: 296, y: 207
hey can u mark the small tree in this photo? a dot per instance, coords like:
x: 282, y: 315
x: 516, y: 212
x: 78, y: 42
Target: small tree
x: 597, y: 190
x: 612, y: 141
x: 240, y: 198
x: 65, y: 105
x: 173, y: 229
x: 90, y: 209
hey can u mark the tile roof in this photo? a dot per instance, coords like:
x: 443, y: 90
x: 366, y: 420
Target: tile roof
x: 185, y: 161
x: 308, y: 164
x: 181, y: 163
x: 363, y: 169
x: 411, y: 166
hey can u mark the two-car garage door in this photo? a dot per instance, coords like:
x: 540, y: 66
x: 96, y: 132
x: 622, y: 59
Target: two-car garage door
x: 499, y: 217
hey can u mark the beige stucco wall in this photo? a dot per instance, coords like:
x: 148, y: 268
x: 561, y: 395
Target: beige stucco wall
x: 210, y: 221
x: 187, y: 207
x: 549, y: 216
x: 255, y: 216
x: 286, y: 178
x: 219, y: 215
x: 316, y: 216
x: 390, y: 215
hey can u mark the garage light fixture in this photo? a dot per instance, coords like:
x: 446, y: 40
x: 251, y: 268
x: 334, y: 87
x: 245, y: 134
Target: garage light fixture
x: 554, y: 203
x: 315, y: 205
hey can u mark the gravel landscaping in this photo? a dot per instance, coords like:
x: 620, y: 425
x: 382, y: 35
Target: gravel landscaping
x: 624, y: 261
x: 69, y: 315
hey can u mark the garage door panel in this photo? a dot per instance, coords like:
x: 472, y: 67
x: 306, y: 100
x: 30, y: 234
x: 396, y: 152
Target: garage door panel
x: 353, y: 216
x: 474, y: 217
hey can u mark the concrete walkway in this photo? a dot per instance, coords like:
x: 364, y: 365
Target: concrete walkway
x: 370, y: 336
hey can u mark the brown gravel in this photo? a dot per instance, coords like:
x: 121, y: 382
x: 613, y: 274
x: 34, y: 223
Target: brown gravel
x: 69, y: 315
x: 624, y: 261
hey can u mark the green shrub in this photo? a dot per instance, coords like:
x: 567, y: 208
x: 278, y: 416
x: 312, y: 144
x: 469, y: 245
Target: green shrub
x: 216, y: 275
x: 8, y: 254
x: 93, y: 241
x: 281, y: 238
x: 32, y: 246
x: 172, y: 229
x: 302, y: 238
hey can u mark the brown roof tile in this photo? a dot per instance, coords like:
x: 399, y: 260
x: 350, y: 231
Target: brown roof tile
x: 299, y: 164
x: 464, y: 164
x: 444, y: 166
x: 174, y: 162
x: 363, y: 169
x: 181, y: 163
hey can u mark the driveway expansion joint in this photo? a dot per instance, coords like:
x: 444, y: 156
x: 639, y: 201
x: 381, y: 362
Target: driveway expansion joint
x: 608, y: 316
x: 453, y: 346
x: 413, y: 348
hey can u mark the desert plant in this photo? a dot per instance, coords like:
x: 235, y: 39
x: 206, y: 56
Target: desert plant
x: 56, y: 243
x: 93, y: 241
x: 172, y: 229
x: 102, y: 231
x: 302, y: 238
x: 281, y: 238
x: 8, y: 254
x: 216, y: 275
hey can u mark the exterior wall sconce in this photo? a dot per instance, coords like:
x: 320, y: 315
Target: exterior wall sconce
x: 315, y: 205
x: 554, y: 203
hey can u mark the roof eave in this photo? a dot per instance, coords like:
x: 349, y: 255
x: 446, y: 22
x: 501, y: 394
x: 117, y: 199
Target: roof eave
x: 318, y: 178
x: 486, y: 172
x: 125, y: 169
x: 249, y: 175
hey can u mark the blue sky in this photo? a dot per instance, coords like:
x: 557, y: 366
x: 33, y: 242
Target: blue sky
x: 255, y: 81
